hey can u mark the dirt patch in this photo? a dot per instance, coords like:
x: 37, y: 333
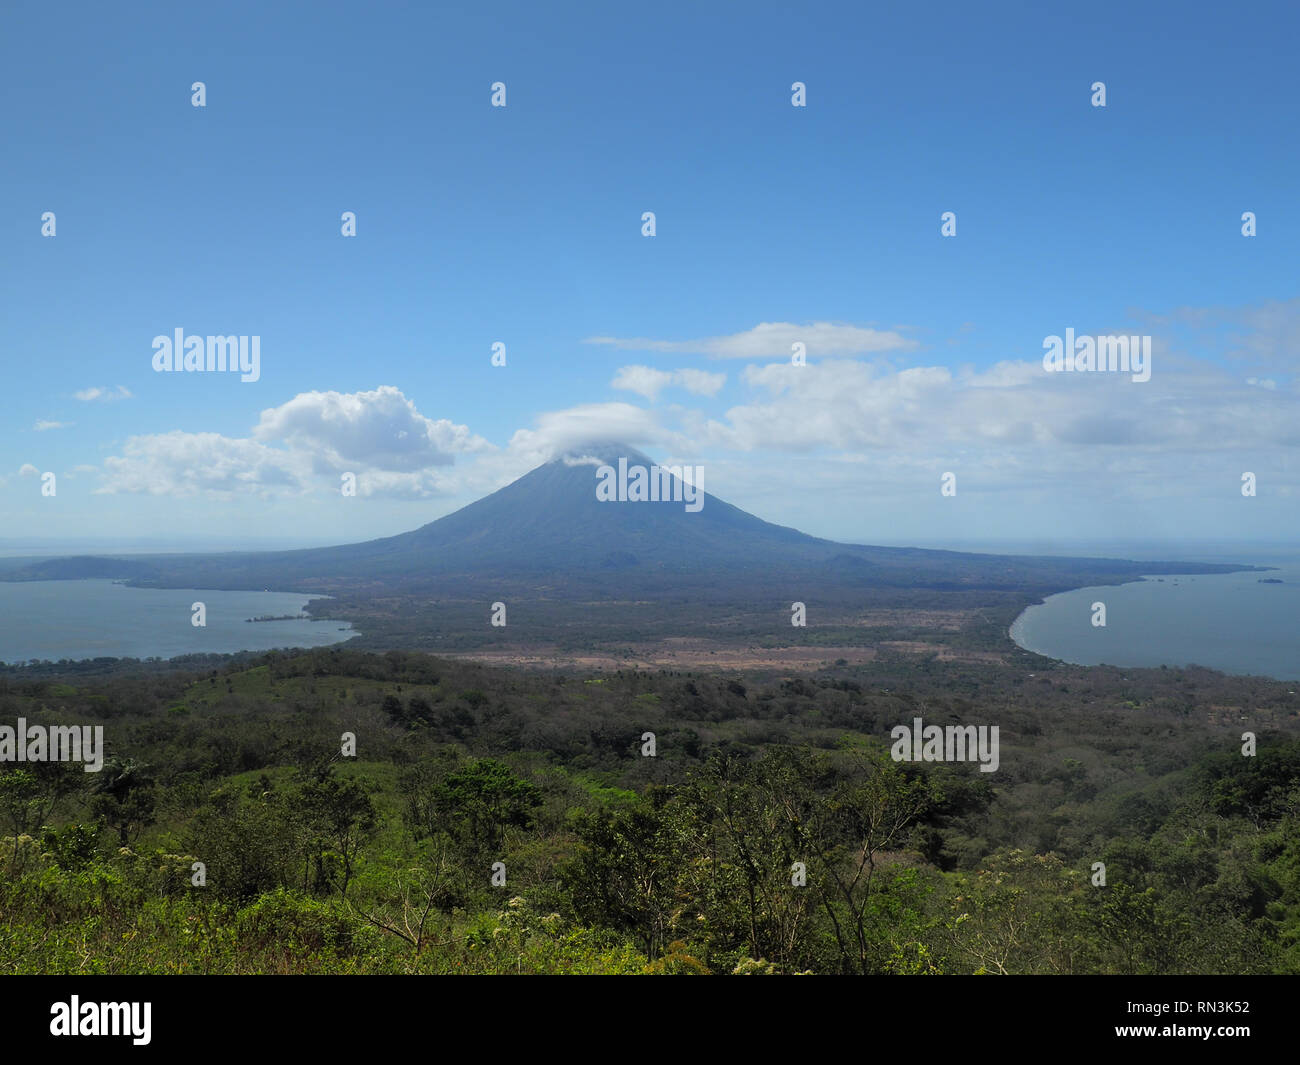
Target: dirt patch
x: 683, y: 654
x: 943, y: 654
x: 686, y: 653
x: 934, y: 620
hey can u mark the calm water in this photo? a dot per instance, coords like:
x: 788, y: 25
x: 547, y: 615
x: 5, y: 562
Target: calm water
x: 1228, y: 622
x: 92, y: 619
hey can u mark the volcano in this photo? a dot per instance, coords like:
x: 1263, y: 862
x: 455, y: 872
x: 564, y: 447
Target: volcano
x: 550, y: 530
x: 551, y: 520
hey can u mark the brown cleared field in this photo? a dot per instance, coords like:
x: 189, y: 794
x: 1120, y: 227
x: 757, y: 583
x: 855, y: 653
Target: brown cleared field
x: 690, y: 654
x: 900, y: 631
x: 936, y: 620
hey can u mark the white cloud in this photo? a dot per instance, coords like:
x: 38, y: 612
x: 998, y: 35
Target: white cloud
x: 28, y: 470
x: 700, y: 382
x: 419, y: 484
x: 44, y: 426
x: 380, y: 430
x: 774, y: 340
x: 307, y: 442
x: 1273, y: 332
x: 103, y: 395
x: 1004, y: 375
x: 187, y: 464
x: 1018, y: 436
x: 585, y: 425
x: 649, y: 382
x: 880, y: 436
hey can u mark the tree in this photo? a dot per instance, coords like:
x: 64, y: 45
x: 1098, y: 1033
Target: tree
x: 124, y: 797
x: 30, y: 793
x: 339, y: 817
x: 626, y: 870
x: 1022, y: 914
x: 745, y: 852
x: 480, y: 800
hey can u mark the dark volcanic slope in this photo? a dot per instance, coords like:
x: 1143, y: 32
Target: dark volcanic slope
x: 549, y: 528
x: 550, y: 519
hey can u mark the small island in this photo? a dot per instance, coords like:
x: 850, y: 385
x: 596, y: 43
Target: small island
x: 282, y: 617
x: 1271, y: 580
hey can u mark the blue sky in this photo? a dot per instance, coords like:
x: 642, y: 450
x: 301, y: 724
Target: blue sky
x: 522, y: 225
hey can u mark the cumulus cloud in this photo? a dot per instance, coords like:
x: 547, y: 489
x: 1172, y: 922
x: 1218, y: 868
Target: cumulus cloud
x: 774, y: 340
x: 380, y: 430
x: 188, y: 464
x: 879, y: 432
x: 28, y: 470
x: 1097, y: 454
x: 649, y: 382
x: 380, y: 436
x: 103, y: 395
x: 852, y: 405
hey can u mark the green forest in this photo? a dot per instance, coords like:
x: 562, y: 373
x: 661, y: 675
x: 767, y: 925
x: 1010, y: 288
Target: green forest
x: 340, y: 811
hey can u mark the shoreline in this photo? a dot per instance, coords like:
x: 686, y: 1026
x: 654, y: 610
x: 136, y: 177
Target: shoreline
x: 1017, y: 635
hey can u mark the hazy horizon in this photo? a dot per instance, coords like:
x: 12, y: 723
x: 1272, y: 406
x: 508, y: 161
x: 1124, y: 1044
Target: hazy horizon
x: 1138, y: 550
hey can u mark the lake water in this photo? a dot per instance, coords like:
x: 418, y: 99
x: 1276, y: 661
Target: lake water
x: 1229, y: 622
x: 99, y: 618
